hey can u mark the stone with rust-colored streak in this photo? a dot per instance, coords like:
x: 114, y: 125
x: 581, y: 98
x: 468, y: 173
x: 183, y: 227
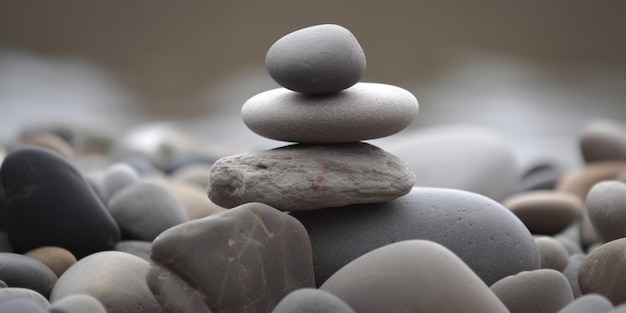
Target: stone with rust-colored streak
x: 242, y: 260
x: 306, y: 177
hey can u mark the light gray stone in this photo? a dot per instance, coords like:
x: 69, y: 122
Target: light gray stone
x: 411, y: 276
x: 306, y: 177
x: 606, y: 207
x: 317, y: 59
x: 363, y: 111
x: 591, y: 303
x: 116, y: 177
x: 310, y: 300
x: 12, y: 293
x: 553, y: 254
x: 79, y: 303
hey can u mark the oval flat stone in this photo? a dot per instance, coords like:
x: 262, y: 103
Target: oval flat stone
x: 310, y: 300
x: 116, y: 279
x: 245, y: 259
x: 539, y: 291
x: 579, y: 181
x: 318, y: 59
x: 411, y: 276
x: 606, y: 207
x: 55, y: 258
x: 17, y: 270
x: 47, y: 202
x: 544, y: 211
x: 363, y: 111
x: 145, y: 209
x: 602, y: 271
x: 483, y: 233
x: 472, y: 158
x: 602, y: 140
x: 307, y: 177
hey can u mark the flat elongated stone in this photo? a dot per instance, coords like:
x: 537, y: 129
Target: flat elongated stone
x: 306, y: 177
x: 546, y: 212
x: 411, y: 276
x: 317, y: 59
x: 242, y: 260
x: 483, y: 233
x: 363, y: 111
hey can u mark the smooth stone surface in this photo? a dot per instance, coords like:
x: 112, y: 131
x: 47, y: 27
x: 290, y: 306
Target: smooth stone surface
x: 411, y: 276
x: 466, y: 157
x: 571, y: 272
x: 252, y: 256
x: 308, y: 177
x: 146, y: 209
x: 579, y: 181
x: 545, y: 212
x: 55, y: 258
x: 21, y: 306
x: 483, y: 233
x: 588, y: 304
x: 310, y: 300
x: 135, y: 247
x: 8, y: 294
x: 553, y: 254
x: 603, y: 272
x: 17, y: 270
x: 116, y: 279
x: 606, y: 207
x: 197, y: 174
x: 117, y: 177
x: 538, y: 291
x: 540, y: 176
x: 47, y: 202
x: 77, y: 304
x: 193, y: 199
x: 602, y: 140
x: 317, y: 59
x: 363, y: 111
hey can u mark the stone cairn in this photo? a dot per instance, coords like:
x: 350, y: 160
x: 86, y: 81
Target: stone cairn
x: 327, y: 112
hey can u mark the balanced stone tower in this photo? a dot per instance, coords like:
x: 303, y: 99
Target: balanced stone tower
x: 327, y: 112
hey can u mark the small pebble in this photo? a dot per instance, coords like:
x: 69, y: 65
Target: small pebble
x: 17, y: 270
x: 117, y: 177
x: 55, y: 258
x: 79, y: 303
x: 25, y: 294
x: 553, y: 254
x: 606, y: 206
x: 603, y: 140
x: 310, y: 300
x: 591, y: 303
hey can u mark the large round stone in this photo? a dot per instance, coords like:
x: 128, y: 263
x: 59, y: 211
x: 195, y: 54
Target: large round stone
x: 363, y: 111
x: 318, y: 59
x: 602, y: 271
x: 47, y: 202
x: 307, y: 177
x: 411, y: 276
x: 483, y: 233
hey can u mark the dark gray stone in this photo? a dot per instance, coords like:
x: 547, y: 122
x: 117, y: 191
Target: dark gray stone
x: 17, y: 270
x: 318, y: 59
x: 483, y: 233
x: 363, y: 111
x: 145, y: 209
x: 79, y: 303
x: 540, y: 176
x: 606, y: 203
x: 602, y: 140
x: 602, y: 271
x: 307, y: 177
x: 539, y: 291
x: 116, y: 279
x: 411, y: 276
x: 242, y: 260
x: 588, y: 304
x: 47, y: 202
x: 309, y: 300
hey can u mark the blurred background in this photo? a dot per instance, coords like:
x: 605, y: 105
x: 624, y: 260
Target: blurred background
x: 536, y: 71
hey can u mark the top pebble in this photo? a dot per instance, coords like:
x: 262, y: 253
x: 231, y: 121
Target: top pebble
x: 316, y: 60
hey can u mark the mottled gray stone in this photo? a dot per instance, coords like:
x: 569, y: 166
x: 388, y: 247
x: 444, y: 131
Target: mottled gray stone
x: 483, y: 233
x: 591, y: 303
x: 318, y: 59
x: 539, y: 291
x: 13, y: 293
x: 145, y: 209
x: 116, y: 279
x: 602, y: 140
x: 17, y: 270
x: 411, y: 276
x: 602, y: 271
x: 466, y: 157
x: 553, y: 254
x: 606, y: 207
x: 545, y: 212
x: 79, y: 303
x: 242, y: 260
x: 307, y: 177
x: 571, y: 273
x: 310, y: 300
x: 363, y: 111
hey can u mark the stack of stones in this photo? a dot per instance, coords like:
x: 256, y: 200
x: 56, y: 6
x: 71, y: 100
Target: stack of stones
x: 326, y: 110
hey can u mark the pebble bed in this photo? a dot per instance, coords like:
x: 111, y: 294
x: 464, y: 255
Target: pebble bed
x: 441, y: 220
